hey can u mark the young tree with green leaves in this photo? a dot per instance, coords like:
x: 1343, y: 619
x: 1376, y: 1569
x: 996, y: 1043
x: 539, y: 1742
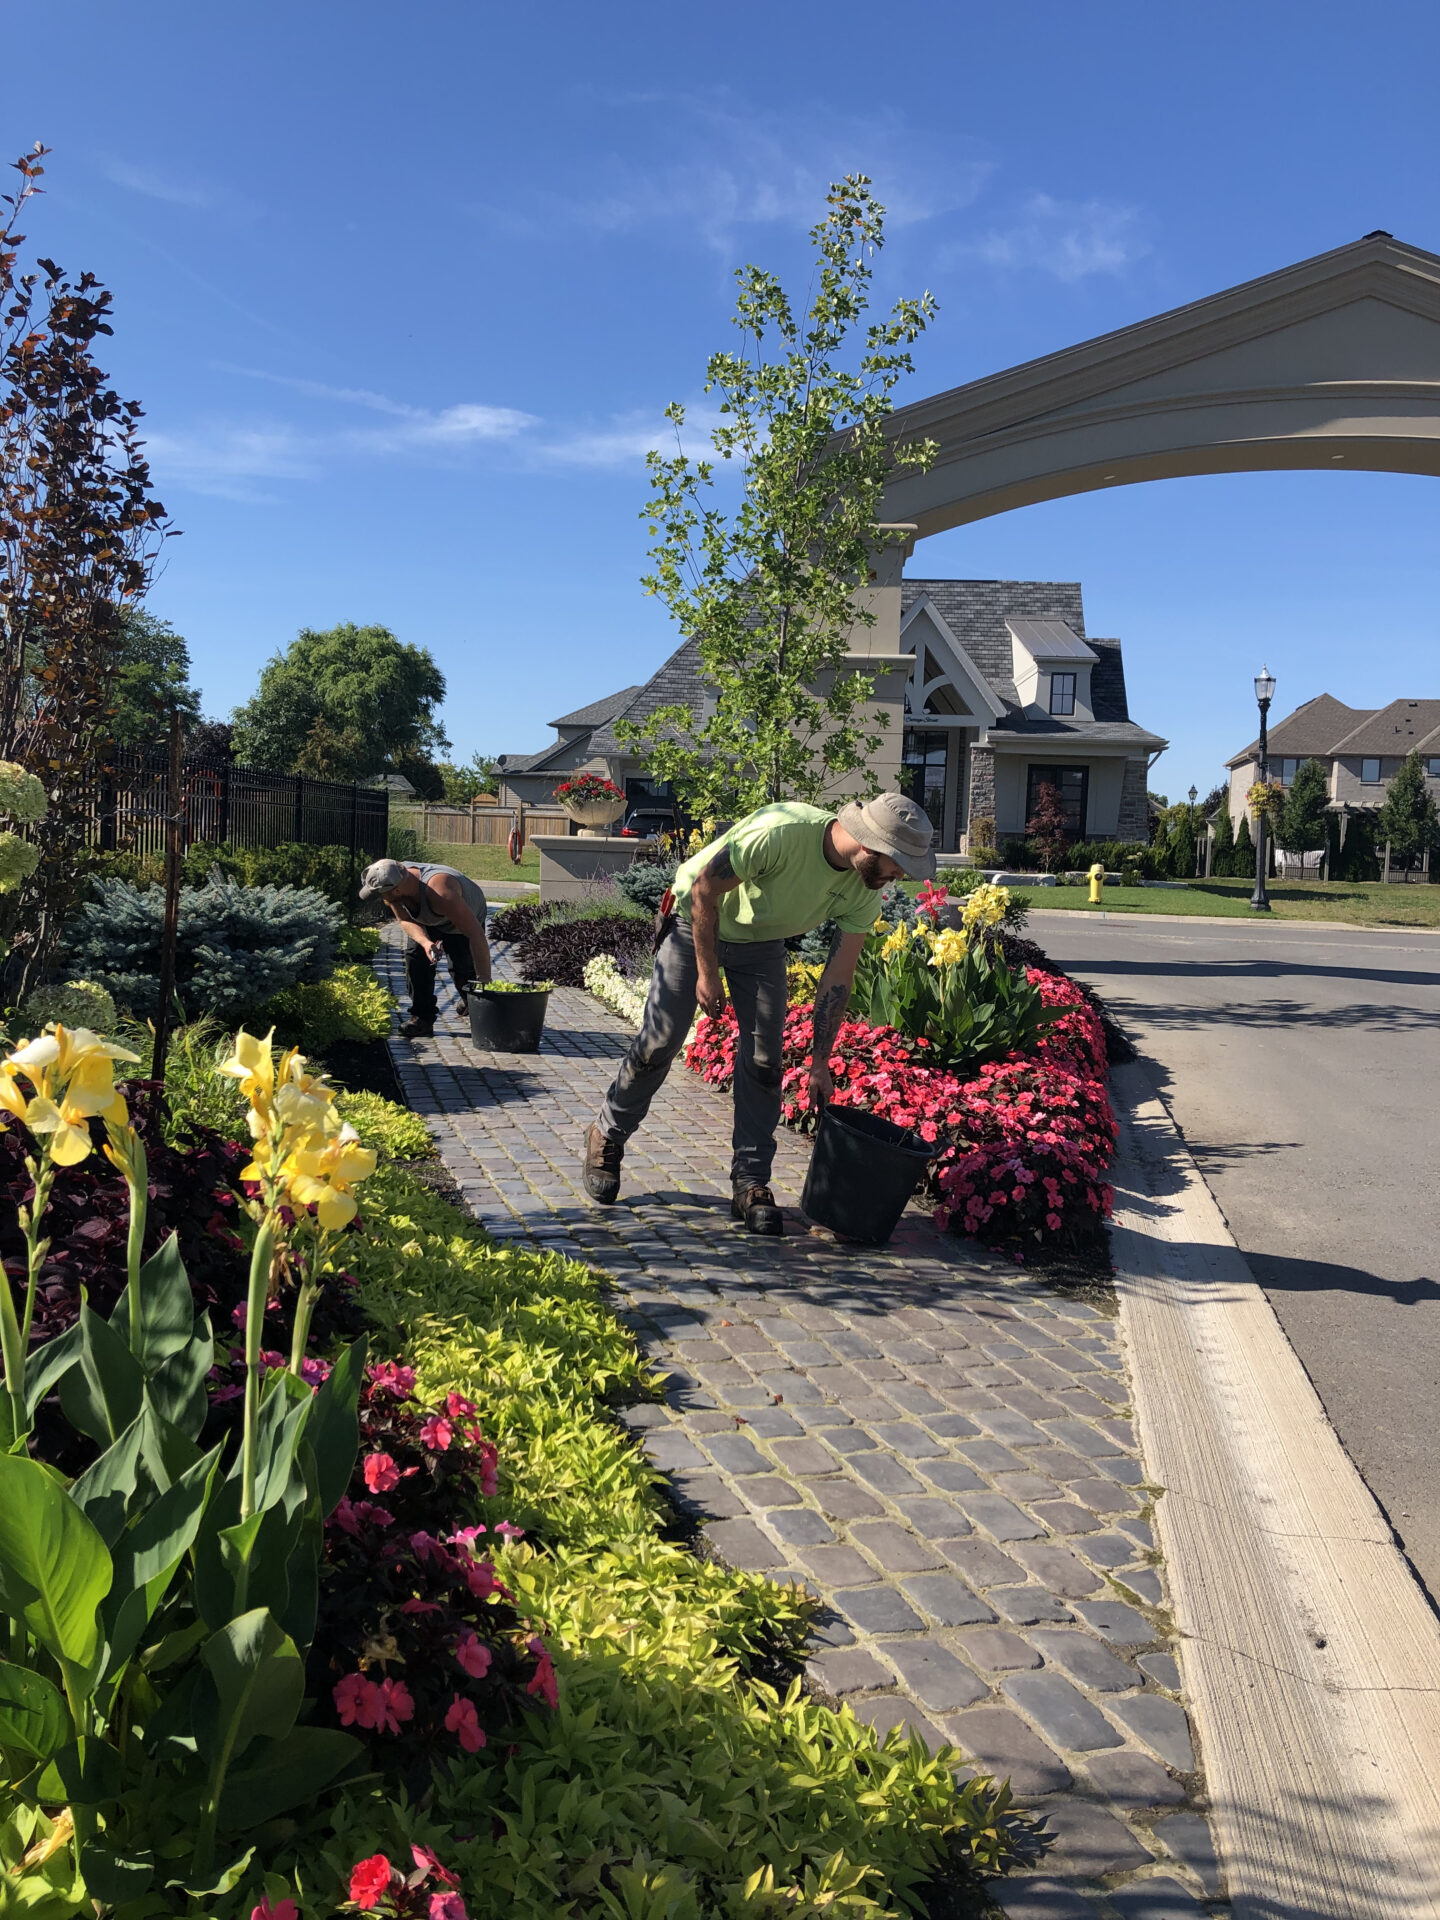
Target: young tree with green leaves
x: 766, y: 591
x: 1408, y: 818
x: 1300, y: 827
x: 461, y: 785
x: 343, y: 705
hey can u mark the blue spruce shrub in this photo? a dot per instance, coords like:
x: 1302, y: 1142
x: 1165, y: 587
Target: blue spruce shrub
x: 237, y: 945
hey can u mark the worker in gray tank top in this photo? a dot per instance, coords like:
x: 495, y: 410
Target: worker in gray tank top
x: 440, y: 910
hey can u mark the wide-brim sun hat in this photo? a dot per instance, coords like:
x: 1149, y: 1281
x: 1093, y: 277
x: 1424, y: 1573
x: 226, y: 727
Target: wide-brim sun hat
x: 894, y: 825
x: 381, y: 876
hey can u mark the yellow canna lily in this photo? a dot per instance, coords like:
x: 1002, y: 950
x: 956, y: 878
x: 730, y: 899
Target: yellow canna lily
x: 323, y: 1175
x: 948, y: 947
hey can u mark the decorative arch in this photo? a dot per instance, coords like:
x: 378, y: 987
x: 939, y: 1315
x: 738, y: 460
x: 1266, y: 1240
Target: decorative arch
x: 1332, y: 363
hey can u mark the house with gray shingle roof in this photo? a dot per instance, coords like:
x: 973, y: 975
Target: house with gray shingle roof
x: 996, y: 690
x: 1361, y: 747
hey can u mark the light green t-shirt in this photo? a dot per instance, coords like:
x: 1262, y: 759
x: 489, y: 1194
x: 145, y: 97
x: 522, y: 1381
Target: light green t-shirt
x: 787, y: 886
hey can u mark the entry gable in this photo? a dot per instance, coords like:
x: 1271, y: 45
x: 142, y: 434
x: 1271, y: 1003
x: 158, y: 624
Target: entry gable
x: 923, y: 631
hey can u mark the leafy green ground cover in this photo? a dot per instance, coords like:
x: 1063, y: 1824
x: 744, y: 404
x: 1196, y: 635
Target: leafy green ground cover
x: 673, y: 1781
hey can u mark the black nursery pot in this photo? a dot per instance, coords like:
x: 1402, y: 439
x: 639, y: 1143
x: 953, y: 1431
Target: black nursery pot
x: 507, y: 1022
x: 862, y: 1172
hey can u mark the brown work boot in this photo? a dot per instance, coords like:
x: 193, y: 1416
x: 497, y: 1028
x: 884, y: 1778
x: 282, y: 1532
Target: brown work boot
x: 602, y: 1166
x: 417, y: 1029
x: 756, y: 1207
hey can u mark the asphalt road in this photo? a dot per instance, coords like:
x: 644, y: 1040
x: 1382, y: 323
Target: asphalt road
x: 1303, y: 1066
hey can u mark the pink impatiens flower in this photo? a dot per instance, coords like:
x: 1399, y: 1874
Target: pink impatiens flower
x: 447, y: 1906
x: 458, y: 1407
x: 357, y: 1701
x: 437, y: 1433
x: 286, y: 1910
x: 427, y: 1858
x: 542, y: 1682
x: 462, y: 1720
x: 396, y: 1705
x: 370, y: 1882
x: 473, y: 1655
x: 381, y: 1472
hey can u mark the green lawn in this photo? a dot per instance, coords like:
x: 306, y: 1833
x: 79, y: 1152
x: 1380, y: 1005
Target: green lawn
x: 482, y: 863
x: 1352, y: 903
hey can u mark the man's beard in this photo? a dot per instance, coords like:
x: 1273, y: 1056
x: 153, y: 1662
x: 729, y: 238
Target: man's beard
x: 871, y: 869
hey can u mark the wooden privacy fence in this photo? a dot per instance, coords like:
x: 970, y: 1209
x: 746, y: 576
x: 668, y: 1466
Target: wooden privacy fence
x: 478, y: 826
x: 225, y: 805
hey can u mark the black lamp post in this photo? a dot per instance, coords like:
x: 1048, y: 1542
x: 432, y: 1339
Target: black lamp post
x: 1264, y: 694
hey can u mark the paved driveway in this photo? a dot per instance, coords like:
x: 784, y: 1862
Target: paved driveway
x: 1303, y: 1065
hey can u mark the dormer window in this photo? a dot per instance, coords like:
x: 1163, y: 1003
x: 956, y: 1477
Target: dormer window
x: 1062, y: 693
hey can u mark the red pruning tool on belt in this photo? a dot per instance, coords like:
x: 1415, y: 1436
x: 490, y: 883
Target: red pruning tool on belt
x: 664, y: 919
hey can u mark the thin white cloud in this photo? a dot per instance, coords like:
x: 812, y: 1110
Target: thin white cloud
x: 159, y: 186
x: 230, y: 459
x: 730, y: 168
x: 1071, y: 239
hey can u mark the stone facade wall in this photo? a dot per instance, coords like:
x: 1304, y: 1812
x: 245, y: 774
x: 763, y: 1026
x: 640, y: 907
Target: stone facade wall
x: 982, y: 785
x: 1134, y: 821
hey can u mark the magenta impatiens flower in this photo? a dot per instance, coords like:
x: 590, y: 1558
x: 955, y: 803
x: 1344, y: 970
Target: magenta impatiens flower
x: 447, y: 1906
x: 283, y: 1910
x: 542, y: 1682
x: 357, y: 1701
x: 462, y: 1720
x: 437, y: 1433
x: 381, y: 1472
x: 473, y: 1654
x: 396, y: 1705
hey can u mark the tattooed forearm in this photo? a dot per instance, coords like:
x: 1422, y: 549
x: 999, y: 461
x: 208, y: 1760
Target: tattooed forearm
x: 830, y: 1005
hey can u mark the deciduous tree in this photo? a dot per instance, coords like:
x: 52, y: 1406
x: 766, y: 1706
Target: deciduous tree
x: 343, y: 704
x: 153, y: 676
x: 1048, y: 826
x: 79, y: 535
x: 766, y: 590
x: 1300, y: 827
x: 1408, y: 818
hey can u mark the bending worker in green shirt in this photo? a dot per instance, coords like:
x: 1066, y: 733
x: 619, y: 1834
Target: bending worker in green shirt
x: 781, y: 871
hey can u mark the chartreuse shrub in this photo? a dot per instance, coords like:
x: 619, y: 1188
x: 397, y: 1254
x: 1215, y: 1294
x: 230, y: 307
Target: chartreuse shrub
x: 392, y: 1130
x: 350, y: 1004
x: 669, y: 1783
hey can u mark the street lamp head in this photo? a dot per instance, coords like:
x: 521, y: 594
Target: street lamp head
x: 1264, y: 686
x: 1194, y: 795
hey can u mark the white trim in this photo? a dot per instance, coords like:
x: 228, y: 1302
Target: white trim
x: 964, y: 675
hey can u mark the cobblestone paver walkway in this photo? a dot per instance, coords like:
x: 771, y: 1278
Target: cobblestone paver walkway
x: 935, y: 1443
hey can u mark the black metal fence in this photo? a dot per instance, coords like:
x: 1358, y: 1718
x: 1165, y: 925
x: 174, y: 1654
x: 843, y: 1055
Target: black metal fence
x: 226, y: 805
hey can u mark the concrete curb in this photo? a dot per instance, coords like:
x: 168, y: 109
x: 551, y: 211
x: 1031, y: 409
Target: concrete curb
x: 1310, y: 1654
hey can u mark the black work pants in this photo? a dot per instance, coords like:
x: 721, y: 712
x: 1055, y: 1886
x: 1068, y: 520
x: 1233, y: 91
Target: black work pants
x: 420, y: 972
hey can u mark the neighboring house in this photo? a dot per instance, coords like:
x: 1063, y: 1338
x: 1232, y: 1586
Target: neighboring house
x: 1361, y: 747
x: 998, y: 690
x: 530, y: 779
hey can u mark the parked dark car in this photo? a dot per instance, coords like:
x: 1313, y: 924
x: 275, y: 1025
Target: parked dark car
x: 649, y: 820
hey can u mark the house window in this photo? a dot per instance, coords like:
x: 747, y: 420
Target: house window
x: 923, y: 757
x: 1062, y: 693
x: 1432, y: 767
x: 1073, y: 786
x: 1287, y: 772
x: 1370, y: 773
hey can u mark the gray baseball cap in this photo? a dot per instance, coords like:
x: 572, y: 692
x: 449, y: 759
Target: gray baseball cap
x: 381, y: 876
x: 892, y: 824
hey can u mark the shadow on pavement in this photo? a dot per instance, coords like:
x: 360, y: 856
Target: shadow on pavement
x: 1278, y: 1273
x: 1120, y: 965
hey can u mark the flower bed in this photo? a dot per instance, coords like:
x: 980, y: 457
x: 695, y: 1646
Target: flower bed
x: 1021, y: 1145
x: 543, y: 1703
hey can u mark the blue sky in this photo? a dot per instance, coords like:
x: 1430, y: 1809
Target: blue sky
x: 404, y: 292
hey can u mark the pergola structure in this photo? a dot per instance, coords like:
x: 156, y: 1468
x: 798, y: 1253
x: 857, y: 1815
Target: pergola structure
x: 1331, y: 364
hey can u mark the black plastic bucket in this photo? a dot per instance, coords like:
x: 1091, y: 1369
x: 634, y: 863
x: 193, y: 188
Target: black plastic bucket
x: 862, y: 1172
x: 507, y: 1022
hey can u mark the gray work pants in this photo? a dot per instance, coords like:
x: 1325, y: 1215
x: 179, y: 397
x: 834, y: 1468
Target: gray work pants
x: 755, y: 974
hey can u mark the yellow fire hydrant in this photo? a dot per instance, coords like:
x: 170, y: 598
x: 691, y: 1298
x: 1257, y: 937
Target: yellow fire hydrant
x: 1097, y: 884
